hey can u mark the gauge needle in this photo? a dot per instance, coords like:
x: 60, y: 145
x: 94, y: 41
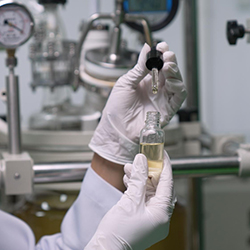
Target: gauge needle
x: 12, y: 25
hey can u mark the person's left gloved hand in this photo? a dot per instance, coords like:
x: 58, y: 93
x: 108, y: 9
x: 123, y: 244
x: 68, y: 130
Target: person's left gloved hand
x: 117, y: 136
x: 151, y: 185
x: 134, y: 223
x: 152, y: 182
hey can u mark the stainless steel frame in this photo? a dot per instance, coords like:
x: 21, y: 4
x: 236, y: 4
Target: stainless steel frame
x: 192, y: 167
x: 13, y: 114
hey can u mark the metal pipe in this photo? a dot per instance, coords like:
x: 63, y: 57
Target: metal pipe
x: 59, y: 172
x: 191, y: 167
x: 195, y: 228
x: 147, y: 31
x: 145, y: 24
x: 206, y: 166
x: 93, y: 18
x: 14, y: 127
x: 191, y: 54
x: 194, y: 211
x: 115, y: 44
x: 94, y: 6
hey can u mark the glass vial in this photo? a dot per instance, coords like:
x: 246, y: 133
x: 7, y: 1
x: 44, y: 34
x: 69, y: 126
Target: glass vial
x: 152, y: 143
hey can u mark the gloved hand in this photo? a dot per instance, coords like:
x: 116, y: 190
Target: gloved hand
x: 151, y: 184
x: 134, y: 223
x: 117, y: 136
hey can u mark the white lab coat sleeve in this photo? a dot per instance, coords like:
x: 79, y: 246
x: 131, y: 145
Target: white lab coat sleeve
x: 95, y: 199
x: 15, y: 233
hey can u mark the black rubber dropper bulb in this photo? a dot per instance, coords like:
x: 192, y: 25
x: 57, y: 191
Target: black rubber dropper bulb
x: 154, y: 63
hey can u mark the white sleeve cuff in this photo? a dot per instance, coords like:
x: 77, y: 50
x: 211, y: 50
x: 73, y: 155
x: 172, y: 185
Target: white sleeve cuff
x: 95, y: 199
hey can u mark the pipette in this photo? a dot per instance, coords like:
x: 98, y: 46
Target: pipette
x: 154, y: 63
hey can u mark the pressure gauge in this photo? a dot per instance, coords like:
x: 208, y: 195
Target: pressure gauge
x: 16, y: 24
x: 159, y: 13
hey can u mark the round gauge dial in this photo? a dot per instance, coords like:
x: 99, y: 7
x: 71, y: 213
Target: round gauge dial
x: 16, y: 24
x: 159, y: 13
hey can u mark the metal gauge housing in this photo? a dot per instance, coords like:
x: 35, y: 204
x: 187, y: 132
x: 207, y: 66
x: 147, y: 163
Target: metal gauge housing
x: 159, y: 13
x: 16, y: 24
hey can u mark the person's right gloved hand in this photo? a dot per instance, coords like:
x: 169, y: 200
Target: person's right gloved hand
x: 135, y: 223
x: 116, y: 138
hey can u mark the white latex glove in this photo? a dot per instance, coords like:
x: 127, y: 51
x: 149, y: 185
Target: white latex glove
x: 134, y: 223
x: 152, y: 181
x: 117, y: 136
x: 151, y: 185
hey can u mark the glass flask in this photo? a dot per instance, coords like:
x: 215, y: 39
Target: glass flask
x: 57, y: 112
x: 152, y: 139
x: 51, y: 60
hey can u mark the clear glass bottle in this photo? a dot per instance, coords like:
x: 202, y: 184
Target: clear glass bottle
x: 152, y: 139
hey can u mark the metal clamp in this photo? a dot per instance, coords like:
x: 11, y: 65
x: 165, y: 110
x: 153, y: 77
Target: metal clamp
x: 244, y: 154
x: 17, y: 173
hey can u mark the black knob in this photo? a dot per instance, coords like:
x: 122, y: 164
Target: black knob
x: 234, y: 31
x: 154, y: 59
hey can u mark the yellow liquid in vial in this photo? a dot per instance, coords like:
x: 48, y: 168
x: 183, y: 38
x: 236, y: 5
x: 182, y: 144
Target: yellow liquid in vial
x: 154, y: 154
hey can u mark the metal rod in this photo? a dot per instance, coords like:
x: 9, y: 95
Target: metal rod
x: 115, y: 43
x: 59, y: 172
x: 14, y: 127
x: 191, y: 57
x: 209, y: 164
x: 190, y: 167
x: 194, y: 210
x: 195, y: 229
x: 145, y: 24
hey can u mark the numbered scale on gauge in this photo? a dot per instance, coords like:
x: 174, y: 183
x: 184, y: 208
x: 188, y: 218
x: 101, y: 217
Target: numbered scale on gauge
x: 16, y: 24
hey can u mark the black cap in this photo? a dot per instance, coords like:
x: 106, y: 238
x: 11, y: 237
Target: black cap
x: 234, y: 31
x: 52, y: 1
x: 154, y: 59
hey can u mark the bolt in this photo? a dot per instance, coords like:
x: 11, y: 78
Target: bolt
x: 17, y: 176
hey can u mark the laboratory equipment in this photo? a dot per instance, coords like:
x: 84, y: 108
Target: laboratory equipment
x: 99, y: 67
x: 154, y: 63
x: 191, y: 167
x: 52, y: 57
x: 152, y: 139
x: 15, y: 29
x: 98, y: 73
x: 103, y: 66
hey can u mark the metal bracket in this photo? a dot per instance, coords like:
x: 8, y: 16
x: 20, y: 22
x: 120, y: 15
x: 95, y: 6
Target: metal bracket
x: 17, y: 173
x: 244, y: 154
